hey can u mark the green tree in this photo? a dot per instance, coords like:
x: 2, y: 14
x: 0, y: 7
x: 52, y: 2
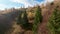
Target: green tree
x: 54, y: 22
x: 37, y: 19
x: 23, y: 20
x: 19, y: 19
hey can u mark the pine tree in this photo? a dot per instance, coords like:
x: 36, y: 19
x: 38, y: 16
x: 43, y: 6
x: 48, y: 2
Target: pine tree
x: 23, y: 21
x: 37, y: 19
x: 19, y: 21
x: 54, y: 22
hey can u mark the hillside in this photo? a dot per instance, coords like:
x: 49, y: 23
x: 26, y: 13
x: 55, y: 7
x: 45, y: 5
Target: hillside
x: 46, y: 14
x: 8, y: 18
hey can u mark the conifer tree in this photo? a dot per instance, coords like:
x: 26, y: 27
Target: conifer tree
x: 23, y: 21
x: 37, y: 19
x: 54, y: 22
x: 19, y: 21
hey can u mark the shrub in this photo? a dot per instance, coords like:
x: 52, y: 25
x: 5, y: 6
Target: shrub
x: 54, y: 22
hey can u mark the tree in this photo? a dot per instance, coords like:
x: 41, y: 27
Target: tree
x: 54, y: 22
x: 37, y: 19
x: 19, y: 21
x: 23, y: 21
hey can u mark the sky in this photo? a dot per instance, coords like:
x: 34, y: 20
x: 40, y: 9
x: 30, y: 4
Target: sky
x: 20, y: 3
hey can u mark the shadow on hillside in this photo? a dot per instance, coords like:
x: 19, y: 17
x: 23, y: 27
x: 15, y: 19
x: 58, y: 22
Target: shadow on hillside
x: 6, y: 21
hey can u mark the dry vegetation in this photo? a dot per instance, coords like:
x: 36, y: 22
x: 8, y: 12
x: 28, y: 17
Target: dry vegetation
x: 8, y: 19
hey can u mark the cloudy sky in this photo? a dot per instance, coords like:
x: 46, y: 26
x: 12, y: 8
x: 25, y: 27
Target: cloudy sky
x: 19, y: 3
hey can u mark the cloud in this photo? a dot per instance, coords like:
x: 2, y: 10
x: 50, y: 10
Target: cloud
x: 2, y: 6
x: 26, y: 2
x: 31, y: 3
